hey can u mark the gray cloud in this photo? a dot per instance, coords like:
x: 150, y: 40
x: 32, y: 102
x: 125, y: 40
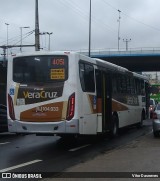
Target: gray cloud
x: 68, y: 20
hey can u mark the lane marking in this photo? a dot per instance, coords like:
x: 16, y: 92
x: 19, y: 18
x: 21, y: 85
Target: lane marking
x: 4, y: 143
x: 78, y: 148
x: 20, y: 165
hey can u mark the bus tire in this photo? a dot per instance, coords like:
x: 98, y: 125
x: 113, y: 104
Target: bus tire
x: 114, y: 127
x: 140, y: 124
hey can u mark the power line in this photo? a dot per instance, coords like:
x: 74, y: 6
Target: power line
x: 83, y: 14
x: 149, y: 26
x: 13, y: 39
x: 138, y: 21
x: 27, y: 34
x: 3, y: 21
x: 110, y: 5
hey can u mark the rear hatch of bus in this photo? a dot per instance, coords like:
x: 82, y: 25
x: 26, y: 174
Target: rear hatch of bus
x: 38, y: 88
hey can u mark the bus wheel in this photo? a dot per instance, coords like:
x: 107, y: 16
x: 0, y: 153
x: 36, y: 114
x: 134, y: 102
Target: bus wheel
x: 140, y: 124
x: 114, y: 128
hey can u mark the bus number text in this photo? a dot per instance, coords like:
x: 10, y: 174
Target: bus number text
x: 47, y: 109
x: 58, y: 61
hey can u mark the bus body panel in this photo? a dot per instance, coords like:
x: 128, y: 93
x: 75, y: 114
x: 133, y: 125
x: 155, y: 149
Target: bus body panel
x: 131, y: 111
x: 89, y: 120
x: 86, y: 106
x: 50, y: 128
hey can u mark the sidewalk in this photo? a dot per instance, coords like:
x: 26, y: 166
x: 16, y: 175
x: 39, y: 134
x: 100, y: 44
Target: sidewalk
x: 140, y: 155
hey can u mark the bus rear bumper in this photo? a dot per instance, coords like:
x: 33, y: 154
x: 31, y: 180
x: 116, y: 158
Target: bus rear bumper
x: 48, y: 127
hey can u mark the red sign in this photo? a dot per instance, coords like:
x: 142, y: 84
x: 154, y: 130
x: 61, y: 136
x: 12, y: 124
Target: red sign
x: 58, y: 61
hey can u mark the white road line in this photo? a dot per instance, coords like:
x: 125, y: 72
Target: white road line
x: 4, y: 143
x: 20, y: 165
x: 78, y: 148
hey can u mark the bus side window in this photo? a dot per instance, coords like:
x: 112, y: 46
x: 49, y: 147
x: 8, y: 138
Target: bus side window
x: 87, y: 77
x: 137, y: 86
x: 132, y: 85
x: 81, y: 74
x: 142, y: 88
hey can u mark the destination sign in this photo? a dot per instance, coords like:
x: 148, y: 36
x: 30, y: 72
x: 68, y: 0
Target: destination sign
x: 57, y: 74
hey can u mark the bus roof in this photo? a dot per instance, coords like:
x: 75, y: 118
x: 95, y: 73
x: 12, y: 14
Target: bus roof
x: 119, y: 68
x: 34, y: 53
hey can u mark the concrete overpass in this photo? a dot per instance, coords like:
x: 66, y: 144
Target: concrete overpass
x: 134, y: 60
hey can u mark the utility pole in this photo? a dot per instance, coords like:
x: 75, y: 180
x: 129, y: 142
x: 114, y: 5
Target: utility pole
x: 126, y: 41
x: 21, y: 36
x: 7, y: 37
x: 89, y: 51
x: 37, y: 41
x: 119, y: 27
x: 49, y: 40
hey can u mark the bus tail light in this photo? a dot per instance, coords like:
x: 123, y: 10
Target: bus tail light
x: 71, y: 107
x: 11, y: 108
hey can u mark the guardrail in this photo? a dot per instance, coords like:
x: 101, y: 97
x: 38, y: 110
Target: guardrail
x: 114, y: 52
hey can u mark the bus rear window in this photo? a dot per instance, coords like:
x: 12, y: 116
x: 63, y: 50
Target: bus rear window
x: 44, y: 69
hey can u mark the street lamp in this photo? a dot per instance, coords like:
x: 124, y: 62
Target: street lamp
x: 49, y: 39
x: 7, y: 38
x: 119, y: 27
x: 21, y: 36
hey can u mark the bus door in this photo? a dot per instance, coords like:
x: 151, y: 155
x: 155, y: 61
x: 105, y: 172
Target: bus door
x: 88, y: 123
x: 104, y: 100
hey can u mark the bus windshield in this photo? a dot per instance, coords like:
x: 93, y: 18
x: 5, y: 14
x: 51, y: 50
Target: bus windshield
x: 37, y: 69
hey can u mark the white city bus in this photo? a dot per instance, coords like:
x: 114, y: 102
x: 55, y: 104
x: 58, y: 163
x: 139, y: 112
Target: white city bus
x: 66, y: 93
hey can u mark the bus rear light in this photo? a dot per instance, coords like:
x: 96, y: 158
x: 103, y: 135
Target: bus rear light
x: 71, y: 107
x: 11, y: 108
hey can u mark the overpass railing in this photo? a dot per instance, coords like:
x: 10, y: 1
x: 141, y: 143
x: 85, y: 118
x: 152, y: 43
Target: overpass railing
x: 115, y: 52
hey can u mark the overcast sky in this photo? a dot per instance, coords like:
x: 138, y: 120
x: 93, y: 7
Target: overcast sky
x: 69, y: 22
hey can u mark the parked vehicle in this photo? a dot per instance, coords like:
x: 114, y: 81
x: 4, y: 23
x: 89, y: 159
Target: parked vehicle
x: 3, y: 85
x: 152, y: 107
x: 156, y: 121
x: 3, y: 118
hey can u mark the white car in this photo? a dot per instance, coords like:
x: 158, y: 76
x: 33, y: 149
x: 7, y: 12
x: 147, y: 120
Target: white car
x: 156, y: 121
